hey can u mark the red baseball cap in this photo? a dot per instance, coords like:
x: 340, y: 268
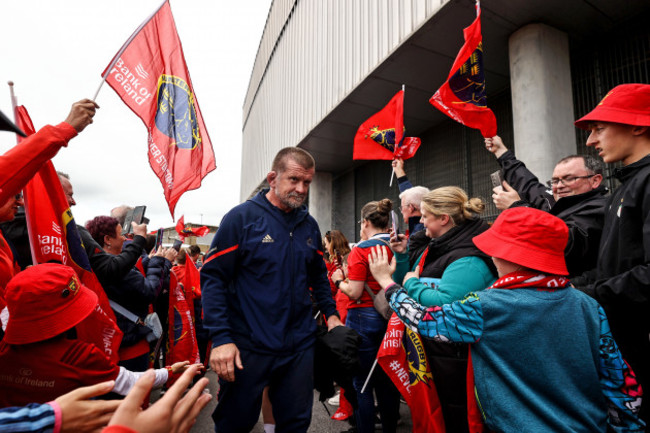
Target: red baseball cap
x: 628, y: 104
x: 44, y: 301
x: 528, y: 237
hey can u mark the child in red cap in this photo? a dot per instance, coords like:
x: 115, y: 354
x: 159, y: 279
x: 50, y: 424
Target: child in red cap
x: 543, y: 357
x: 39, y: 358
x: 619, y: 129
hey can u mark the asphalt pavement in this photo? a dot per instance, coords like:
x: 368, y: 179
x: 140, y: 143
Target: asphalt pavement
x: 320, y: 421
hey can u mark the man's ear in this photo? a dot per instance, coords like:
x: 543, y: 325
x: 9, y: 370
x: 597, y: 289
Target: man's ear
x: 596, y: 180
x: 639, y: 130
x: 271, y: 177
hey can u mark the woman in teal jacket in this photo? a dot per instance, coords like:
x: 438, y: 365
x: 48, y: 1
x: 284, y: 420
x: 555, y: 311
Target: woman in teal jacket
x: 449, y: 268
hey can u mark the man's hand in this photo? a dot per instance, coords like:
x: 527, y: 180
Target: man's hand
x: 332, y: 322
x: 81, y: 114
x: 169, y: 414
x: 381, y: 270
x: 496, y: 146
x: 223, y: 360
x: 398, y: 166
x: 80, y: 414
x: 504, y: 196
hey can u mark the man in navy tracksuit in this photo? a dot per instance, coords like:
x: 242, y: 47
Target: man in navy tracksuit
x: 255, y: 280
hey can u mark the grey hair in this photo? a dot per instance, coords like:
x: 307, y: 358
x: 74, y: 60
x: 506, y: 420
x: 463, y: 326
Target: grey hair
x: 592, y: 164
x: 414, y: 195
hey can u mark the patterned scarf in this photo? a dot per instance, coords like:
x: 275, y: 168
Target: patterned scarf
x: 520, y: 279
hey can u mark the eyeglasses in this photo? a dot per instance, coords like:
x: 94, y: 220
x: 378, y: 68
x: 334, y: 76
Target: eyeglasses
x: 406, y: 205
x: 569, y: 180
x: 360, y: 221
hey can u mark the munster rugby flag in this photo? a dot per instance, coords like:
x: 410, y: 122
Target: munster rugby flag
x: 376, y: 138
x: 187, y: 230
x: 53, y: 237
x: 402, y: 357
x: 462, y: 97
x: 150, y: 75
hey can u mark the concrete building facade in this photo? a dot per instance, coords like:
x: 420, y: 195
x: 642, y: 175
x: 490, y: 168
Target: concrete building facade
x: 325, y: 66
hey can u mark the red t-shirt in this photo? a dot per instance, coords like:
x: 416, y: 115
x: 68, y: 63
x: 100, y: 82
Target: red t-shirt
x: 358, y: 271
x: 41, y: 372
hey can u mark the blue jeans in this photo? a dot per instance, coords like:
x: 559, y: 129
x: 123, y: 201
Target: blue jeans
x: 372, y: 327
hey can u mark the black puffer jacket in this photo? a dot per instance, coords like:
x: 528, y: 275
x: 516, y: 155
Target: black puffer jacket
x: 448, y: 361
x: 583, y: 213
x: 135, y: 292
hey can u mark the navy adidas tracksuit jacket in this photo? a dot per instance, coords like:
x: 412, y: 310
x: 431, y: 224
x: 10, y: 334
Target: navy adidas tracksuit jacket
x: 256, y: 278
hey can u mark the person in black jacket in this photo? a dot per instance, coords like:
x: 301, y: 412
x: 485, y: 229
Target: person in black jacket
x: 134, y: 292
x: 576, y: 197
x: 620, y: 131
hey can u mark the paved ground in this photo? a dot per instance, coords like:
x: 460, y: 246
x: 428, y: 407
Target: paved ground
x: 320, y: 423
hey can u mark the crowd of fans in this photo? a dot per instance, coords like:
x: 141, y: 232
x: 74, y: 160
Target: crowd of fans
x: 540, y: 317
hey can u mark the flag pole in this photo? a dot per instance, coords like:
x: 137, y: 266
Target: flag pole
x: 392, y: 174
x: 126, y: 44
x: 369, y: 375
x: 14, y: 104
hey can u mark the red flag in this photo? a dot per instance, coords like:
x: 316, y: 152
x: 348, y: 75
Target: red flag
x: 187, y: 230
x: 376, y: 137
x: 192, y: 280
x: 53, y: 236
x: 182, y: 336
x: 402, y: 357
x: 462, y: 97
x: 150, y: 75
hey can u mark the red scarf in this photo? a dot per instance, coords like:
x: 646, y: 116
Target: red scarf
x: 520, y: 279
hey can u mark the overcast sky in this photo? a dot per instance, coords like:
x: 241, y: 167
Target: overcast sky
x: 55, y: 51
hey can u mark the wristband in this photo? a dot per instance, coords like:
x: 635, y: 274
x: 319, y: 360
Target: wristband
x: 337, y: 283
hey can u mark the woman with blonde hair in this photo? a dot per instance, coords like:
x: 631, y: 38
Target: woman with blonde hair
x: 450, y: 267
x: 364, y: 318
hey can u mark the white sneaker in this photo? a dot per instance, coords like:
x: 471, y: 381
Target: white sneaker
x: 334, y: 401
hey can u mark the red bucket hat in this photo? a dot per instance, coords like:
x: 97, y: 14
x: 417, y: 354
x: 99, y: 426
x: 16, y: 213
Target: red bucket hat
x: 44, y: 301
x: 628, y: 104
x: 528, y: 237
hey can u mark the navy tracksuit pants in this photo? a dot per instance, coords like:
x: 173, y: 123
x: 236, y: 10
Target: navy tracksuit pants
x: 291, y: 390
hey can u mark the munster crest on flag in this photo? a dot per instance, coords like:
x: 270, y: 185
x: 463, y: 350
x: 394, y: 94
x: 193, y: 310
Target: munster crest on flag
x: 382, y: 135
x: 462, y: 97
x: 150, y: 75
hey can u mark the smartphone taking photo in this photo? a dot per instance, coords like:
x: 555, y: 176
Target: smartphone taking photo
x: 394, y: 222
x: 177, y: 244
x: 135, y: 215
x: 496, y: 179
x: 159, y: 239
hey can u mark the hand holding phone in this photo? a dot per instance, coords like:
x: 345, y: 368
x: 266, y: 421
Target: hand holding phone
x: 136, y: 215
x: 394, y: 223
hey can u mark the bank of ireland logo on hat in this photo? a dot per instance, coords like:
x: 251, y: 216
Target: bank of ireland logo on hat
x: 175, y: 114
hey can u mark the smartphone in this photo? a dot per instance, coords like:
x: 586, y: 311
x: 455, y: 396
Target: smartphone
x: 394, y: 222
x: 177, y: 244
x: 136, y: 215
x: 496, y: 178
x: 159, y: 238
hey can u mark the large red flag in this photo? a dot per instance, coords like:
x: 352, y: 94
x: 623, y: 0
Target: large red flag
x: 462, y: 97
x: 402, y: 357
x: 54, y: 237
x: 376, y: 137
x: 182, y: 335
x: 150, y: 75
x: 187, y: 230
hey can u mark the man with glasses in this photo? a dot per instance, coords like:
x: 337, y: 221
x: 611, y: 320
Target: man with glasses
x: 576, y: 196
